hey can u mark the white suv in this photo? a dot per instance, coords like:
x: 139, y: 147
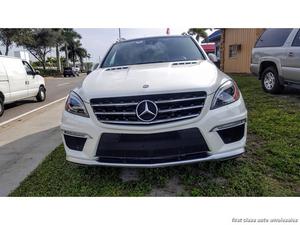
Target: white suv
x: 154, y: 102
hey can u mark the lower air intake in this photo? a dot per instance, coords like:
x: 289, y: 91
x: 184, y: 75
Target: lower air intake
x: 152, y: 148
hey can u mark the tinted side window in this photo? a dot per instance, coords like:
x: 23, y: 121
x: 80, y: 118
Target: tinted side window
x: 296, y: 41
x: 273, y: 38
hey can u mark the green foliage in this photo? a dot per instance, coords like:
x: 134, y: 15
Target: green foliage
x: 199, y: 32
x: 38, y: 42
x: 7, y: 37
x: 73, y: 47
x: 50, y: 72
x: 270, y: 167
x: 88, y: 65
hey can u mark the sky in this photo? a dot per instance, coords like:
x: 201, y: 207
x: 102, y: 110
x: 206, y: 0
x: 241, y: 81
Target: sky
x: 98, y: 40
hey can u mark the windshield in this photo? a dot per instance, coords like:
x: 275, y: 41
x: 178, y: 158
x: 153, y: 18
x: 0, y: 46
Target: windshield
x: 152, y: 50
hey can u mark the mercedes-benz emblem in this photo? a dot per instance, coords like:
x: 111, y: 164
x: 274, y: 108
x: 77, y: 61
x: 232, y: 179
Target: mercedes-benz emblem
x: 146, y: 110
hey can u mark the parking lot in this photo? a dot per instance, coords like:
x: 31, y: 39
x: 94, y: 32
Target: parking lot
x: 270, y: 167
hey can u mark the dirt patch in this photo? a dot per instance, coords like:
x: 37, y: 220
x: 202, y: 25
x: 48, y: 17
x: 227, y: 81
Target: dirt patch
x: 172, y: 188
x: 129, y: 174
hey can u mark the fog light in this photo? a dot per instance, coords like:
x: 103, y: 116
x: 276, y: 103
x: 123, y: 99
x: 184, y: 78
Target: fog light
x: 228, y: 125
x: 77, y: 134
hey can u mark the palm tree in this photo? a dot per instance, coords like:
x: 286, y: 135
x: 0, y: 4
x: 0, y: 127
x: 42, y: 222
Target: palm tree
x: 59, y: 41
x: 82, y: 53
x: 70, y: 35
x: 199, y: 32
x: 76, y: 50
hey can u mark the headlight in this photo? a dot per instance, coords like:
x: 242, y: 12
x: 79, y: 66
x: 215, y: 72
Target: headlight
x: 227, y: 93
x: 75, y: 105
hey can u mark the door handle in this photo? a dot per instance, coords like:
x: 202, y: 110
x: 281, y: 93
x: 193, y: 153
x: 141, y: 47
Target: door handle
x: 26, y: 82
x: 291, y: 54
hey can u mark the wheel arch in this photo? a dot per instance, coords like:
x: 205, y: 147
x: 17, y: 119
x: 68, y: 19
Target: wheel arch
x: 43, y: 86
x: 2, y: 97
x: 271, y: 63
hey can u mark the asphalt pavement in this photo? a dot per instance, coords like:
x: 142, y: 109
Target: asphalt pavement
x: 57, y: 88
x: 27, y: 140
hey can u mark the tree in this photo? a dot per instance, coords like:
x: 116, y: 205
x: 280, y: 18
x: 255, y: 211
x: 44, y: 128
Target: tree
x: 59, y: 40
x: 38, y: 42
x: 7, y: 37
x: 199, y: 32
x: 82, y: 53
x: 70, y: 36
x: 77, y: 51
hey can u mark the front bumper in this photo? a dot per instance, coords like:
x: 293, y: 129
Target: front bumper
x: 254, y: 68
x: 219, y: 156
x: 91, y: 130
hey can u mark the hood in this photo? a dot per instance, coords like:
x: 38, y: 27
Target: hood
x: 159, y: 77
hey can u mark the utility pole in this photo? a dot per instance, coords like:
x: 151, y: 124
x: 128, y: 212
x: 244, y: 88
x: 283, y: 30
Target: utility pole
x: 119, y: 34
x: 168, y: 31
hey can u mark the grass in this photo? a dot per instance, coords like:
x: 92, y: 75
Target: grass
x: 271, y: 166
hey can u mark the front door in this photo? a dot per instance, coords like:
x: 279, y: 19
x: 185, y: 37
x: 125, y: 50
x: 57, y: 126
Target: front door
x: 32, y: 83
x: 292, y: 67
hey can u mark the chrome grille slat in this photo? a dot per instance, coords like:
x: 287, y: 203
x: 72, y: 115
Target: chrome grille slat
x: 152, y: 122
x: 180, y: 109
x: 179, y: 100
x: 116, y: 104
x: 115, y: 113
x: 171, y: 107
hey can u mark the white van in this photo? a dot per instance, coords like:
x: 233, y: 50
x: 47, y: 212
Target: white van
x: 18, y: 80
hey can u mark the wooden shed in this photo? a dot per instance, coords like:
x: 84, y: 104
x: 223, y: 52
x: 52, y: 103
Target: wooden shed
x: 236, y: 47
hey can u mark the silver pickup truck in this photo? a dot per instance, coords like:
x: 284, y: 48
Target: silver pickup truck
x: 276, y: 59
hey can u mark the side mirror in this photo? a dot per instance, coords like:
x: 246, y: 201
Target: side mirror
x: 37, y: 72
x: 212, y: 57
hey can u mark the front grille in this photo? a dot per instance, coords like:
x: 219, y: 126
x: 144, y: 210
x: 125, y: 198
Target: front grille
x: 171, y: 107
x: 164, y: 147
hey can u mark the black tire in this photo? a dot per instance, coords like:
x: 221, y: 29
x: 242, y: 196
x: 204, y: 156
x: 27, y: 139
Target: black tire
x: 41, y: 96
x: 1, y: 107
x: 270, y: 81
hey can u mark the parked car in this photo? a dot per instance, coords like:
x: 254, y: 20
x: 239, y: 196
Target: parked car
x: 68, y: 72
x: 156, y: 101
x: 76, y: 69
x: 18, y: 80
x: 276, y: 59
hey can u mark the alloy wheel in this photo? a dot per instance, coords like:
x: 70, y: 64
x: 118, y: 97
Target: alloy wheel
x: 269, y: 81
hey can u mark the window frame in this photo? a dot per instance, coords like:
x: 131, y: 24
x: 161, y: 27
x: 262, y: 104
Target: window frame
x: 236, y: 51
x: 32, y: 70
x: 297, y: 35
x: 277, y: 46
